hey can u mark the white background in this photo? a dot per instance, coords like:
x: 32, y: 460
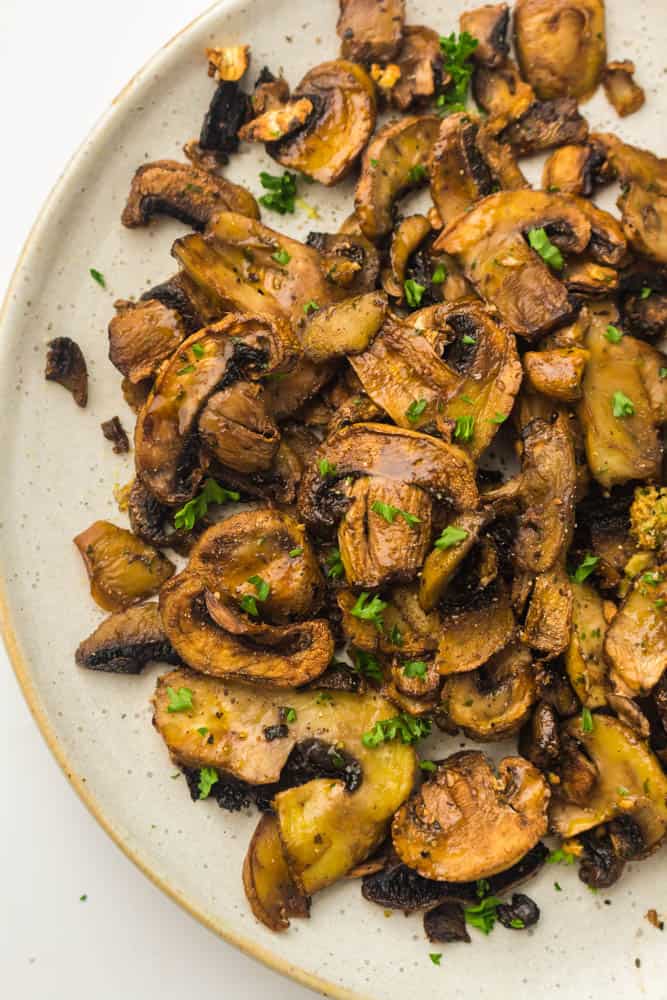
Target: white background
x: 61, y: 64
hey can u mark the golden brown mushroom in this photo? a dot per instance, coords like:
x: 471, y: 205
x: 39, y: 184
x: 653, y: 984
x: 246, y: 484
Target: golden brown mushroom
x: 488, y: 24
x: 584, y: 659
x: 269, y: 887
x: 237, y: 428
x: 419, y: 63
x: 622, y: 92
x: 576, y: 169
x: 126, y: 641
x: 644, y: 213
x: 636, y: 641
x: 556, y: 373
x: 370, y: 30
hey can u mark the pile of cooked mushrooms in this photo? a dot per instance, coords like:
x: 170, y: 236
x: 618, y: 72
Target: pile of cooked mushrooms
x: 442, y: 437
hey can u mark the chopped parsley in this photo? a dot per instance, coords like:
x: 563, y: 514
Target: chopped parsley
x: 414, y: 292
x: 208, y: 777
x: 586, y: 720
x: 249, y: 605
x: 193, y: 510
x: 311, y: 307
x: 293, y: 553
x: 484, y: 914
x: 187, y: 370
x: 366, y: 665
x: 560, y: 857
x: 458, y: 66
x: 369, y: 609
x: 436, y: 957
x: 179, y: 701
x: 467, y: 339
x: 326, y: 468
x: 450, y: 537
x: 517, y: 923
x: 334, y: 563
x: 439, y: 276
x: 198, y: 351
x: 621, y: 406
x: 403, y: 727
x: 98, y: 277
x: 281, y: 257
x: 464, y: 428
x: 646, y: 292
x: 613, y: 334
x: 415, y: 410
x: 557, y: 887
x: 396, y: 636
x: 374, y: 163
x: 415, y: 668
x: 584, y: 569
x: 282, y: 192
x: 623, y: 791
x: 203, y: 731
x: 389, y: 513
x: 289, y: 714
x: 324, y: 698
x: 417, y: 173
x: 262, y: 588
x: 551, y: 255
x: 663, y: 373
x: 427, y: 765
x: 498, y: 418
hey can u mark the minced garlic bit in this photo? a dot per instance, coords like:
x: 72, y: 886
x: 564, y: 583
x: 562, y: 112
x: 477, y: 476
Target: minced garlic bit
x: 229, y: 62
x: 386, y: 77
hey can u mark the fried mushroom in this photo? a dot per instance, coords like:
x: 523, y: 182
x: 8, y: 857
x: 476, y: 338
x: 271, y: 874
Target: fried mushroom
x: 236, y: 427
x: 370, y: 31
x: 419, y: 62
x: 488, y: 24
x: 623, y: 93
x: 644, y: 214
x: 269, y: 887
x: 576, y: 169
x: 66, y: 365
x: 126, y: 641
x: 635, y: 644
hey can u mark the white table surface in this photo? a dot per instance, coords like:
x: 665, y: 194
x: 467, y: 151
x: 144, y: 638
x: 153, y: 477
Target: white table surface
x: 60, y: 66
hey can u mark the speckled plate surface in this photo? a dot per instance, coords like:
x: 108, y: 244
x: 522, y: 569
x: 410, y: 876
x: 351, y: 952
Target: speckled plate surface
x: 58, y: 474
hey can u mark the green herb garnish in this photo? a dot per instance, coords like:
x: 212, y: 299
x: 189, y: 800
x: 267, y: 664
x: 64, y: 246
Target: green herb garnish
x: 450, y: 537
x: 542, y: 245
x: 334, y: 563
x: 587, y: 724
x: 484, y: 914
x: 282, y: 192
x: 369, y: 609
x: 249, y: 605
x: 415, y: 668
x: 293, y: 553
x: 311, y: 307
x: 439, y: 276
x: 390, y: 513
x: 193, y: 510
x: 427, y: 765
x: 326, y: 468
x: 458, y: 67
x: 414, y: 292
x: 366, y: 664
x: 403, y: 727
x: 464, y: 428
x: 415, y: 410
x: 281, y: 257
x: 208, y: 777
x: 584, y: 569
x: 198, y: 351
x: 560, y: 857
x: 613, y: 334
x: 98, y: 277
x: 436, y: 957
x: 621, y: 406
x: 187, y: 370
x: 417, y: 173
x: 289, y: 714
x: 262, y: 588
x: 179, y: 701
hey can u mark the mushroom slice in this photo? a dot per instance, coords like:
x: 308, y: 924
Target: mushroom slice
x: 141, y: 336
x: 343, y: 119
x: 576, y: 169
x: 442, y: 564
x: 66, y: 365
x: 546, y: 124
x: 370, y: 31
x: 494, y: 701
x: 624, y: 764
x: 489, y: 243
x: 385, y: 533
x: 470, y: 636
x: 236, y: 348
x: 121, y: 568
x: 584, y: 659
x: 408, y: 630
x: 556, y: 373
x: 636, y: 641
x: 540, y: 738
x: 561, y: 46
x: 228, y: 62
x: 269, y: 92
x: 644, y: 214
x: 488, y: 24
x: 236, y: 427
x: 646, y: 315
x: 621, y: 438
x: 398, y: 455
x: 126, y: 641
x: 623, y: 93
x: 420, y: 66
x: 471, y: 821
x: 344, y: 328
x: 587, y: 279
x: 269, y: 887
x: 632, y: 164
x: 406, y: 238
x: 114, y: 431
x: 277, y: 122
x: 225, y: 115
x: 184, y: 192
x: 394, y: 162
x: 501, y: 93
x: 460, y: 172
x: 549, y: 618
x: 349, y: 260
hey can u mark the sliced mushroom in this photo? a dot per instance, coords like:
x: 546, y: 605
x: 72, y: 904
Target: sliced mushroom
x: 470, y: 822
x: 344, y: 328
x: 229, y: 62
x: 420, y: 65
x: 470, y: 636
x: 237, y: 348
x: 408, y: 630
x: 278, y: 122
x: 442, y: 564
x: 549, y: 618
x: 141, y: 336
x: 121, y: 568
x: 644, y: 213
x: 114, y: 431
x: 66, y: 365
x: 584, y: 660
x: 385, y: 532
x: 395, y: 454
x: 446, y: 924
x: 406, y: 238
x: 501, y: 93
x: 623, y: 93
x: 629, y: 782
x: 636, y: 641
x: 606, y: 849
x: 126, y: 641
x: 370, y: 31
x: 576, y: 169
x: 632, y: 164
x: 488, y: 24
x: 394, y: 162
x: 269, y: 92
x: 540, y: 739
x: 236, y: 427
x: 327, y: 147
x: 349, y: 260
x: 561, y: 46
x: 225, y: 115
x: 494, y: 701
x: 646, y: 315
x: 556, y: 373
x: 269, y: 887
x: 184, y: 192
x: 546, y: 124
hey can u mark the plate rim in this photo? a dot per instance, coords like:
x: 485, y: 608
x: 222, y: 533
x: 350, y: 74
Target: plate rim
x: 19, y: 662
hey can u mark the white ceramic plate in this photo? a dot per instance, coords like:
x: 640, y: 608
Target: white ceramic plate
x: 58, y: 476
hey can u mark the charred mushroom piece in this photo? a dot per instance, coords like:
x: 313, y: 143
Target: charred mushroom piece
x: 238, y: 348
x: 370, y: 31
x: 350, y: 261
x: 546, y: 124
x: 467, y: 823
x: 646, y: 315
x: 66, y: 365
x: 584, y: 660
x: 225, y: 116
x: 496, y: 700
x: 420, y: 65
x: 126, y: 641
x: 636, y: 641
x: 446, y: 924
x: 406, y: 238
x: 114, y: 431
x: 395, y: 161
x: 236, y: 427
x: 605, y: 855
x: 327, y: 146
x: 629, y: 782
x: 269, y: 887
x: 522, y: 912
x: 561, y: 46
x: 644, y: 213
x: 470, y: 636
x: 623, y: 93
x: 229, y: 62
x: 184, y: 192
x: 278, y: 122
x: 549, y: 618
x: 540, y: 740
x: 122, y: 569
x: 576, y: 169
x: 488, y: 24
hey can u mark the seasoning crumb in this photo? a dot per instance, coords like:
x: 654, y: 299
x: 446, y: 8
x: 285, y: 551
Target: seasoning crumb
x: 114, y: 431
x: 638, y: 963
x: 654, y: 919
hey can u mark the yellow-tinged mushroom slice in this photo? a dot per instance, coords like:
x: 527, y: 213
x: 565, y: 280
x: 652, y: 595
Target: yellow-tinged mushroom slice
x: 370, y: 31
x: 628, y: 781
x: 556, y: 373
x: 488, y: 24
x: 623, y: 93
x: 419, y: 65
x: 470, y: 821
x: 344, y: 328
x: 327, y: 146
x: 444, y: 561
x: 269, y: 887
x: 185, y: 193
x: 632, y: 164
x: 121, y: 568
x: 561, y: 46
x: 502, y: 94
x: 407, y: 630
x: 395, y: 161
x: 166, y: 443
x: 228, y: 62
x: 408, y: 235
x: 470, y: 636
x: 142, y: 335
x: 636, y: 641
x: 548, y: 622
x: 644, y: 213
x: 494, y: 701
x: 584, y: 659
x: 576, y: 169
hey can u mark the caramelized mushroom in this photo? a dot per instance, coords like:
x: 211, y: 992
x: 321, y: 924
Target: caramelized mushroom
x: 222, y: 121
x: 229, y: 62
x: 561, y: 46
x: 121, y: 568
x: 576, y: 169
x: 184, y: 192
x: 406, y: 238
x: 556, y: 373
x: 370, y: 31
x: 549, y: 618
x: 470, y: 636
x: 236, y: 427
x: 546, y: 124
x: 442, y: 564
x: 114, y: 431
x: 420, y: 66
x: 584, y: 660
x: 327, y: 146
x: 622, y: 92
x: 501, y: 93
x: 636, y: 641
x: 141, y: 336
x: 632, y: 164
x: 344, y: 328
x: 66, y: 365
x: 269, y: 887
x: 488, y: 24
x: 644, y: 213
x: 278, y: 122
x: 467, y: 823
x: 126, y: 641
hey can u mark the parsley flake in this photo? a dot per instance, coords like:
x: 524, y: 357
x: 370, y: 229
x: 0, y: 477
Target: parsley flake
x: 417, y: 173
x: 551, y: 255
x: 198, y: 351
x: 415, y: 410
x: 390, y: 513
x: 249, y: 605
x: 366, y: 665
x: 282, y: 192
x: 646, y: 292
x: 613, y: 334
x: 208, y: 777
x: 179, y: 701
x: 262, y: 588
x: 587, y: 724
x: 584, y: 569
x: 98, y: 277
x: 560, y: 857
x: 458, y: 69
x: 193, y: 510
x: 293, y: 553
x: 415, y: 668
x: 436, y: 957
x: 464, y: 428
x: 187, y: 370
x: 326, y: 468
x: 427, y: 765
x: 311, y: 307
x: 403, y: 727
x: 334, y: 563
x: 484, y: 914
x: 369, y: 609
x: 281, y: 257
x: 622, y: 406
x: 450, y: 537
x: 439, y: 276
x: 414, y: 293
